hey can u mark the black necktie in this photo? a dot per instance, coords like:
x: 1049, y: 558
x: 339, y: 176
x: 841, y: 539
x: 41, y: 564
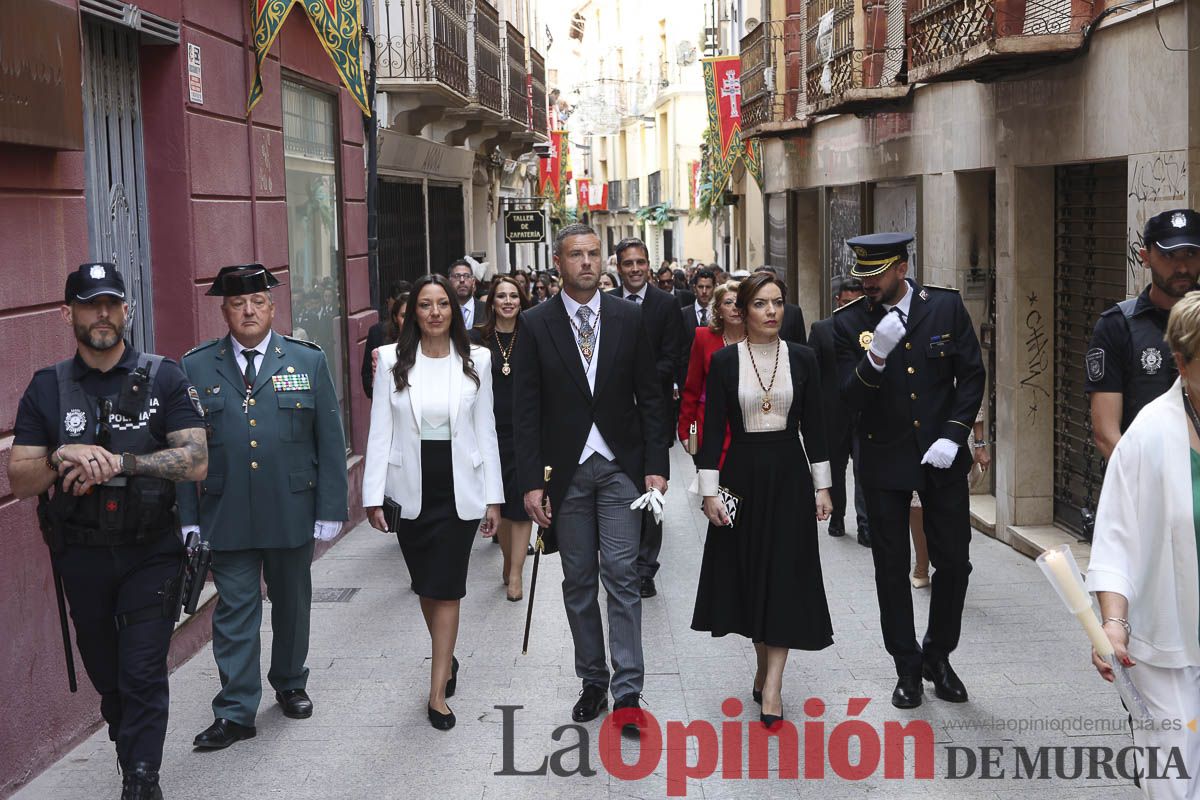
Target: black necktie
x: 634, y: 298
x: 251, y: 373
x: 703, y: 315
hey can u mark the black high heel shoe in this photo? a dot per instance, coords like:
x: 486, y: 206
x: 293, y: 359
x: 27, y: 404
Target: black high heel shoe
x: 452, y: 684
x: 770, y: 720
x: 756, y: 694
x: 440, y: 721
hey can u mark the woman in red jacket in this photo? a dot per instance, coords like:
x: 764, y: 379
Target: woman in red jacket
x: 726, y: 328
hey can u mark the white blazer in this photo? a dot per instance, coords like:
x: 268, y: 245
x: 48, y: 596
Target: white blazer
x: 393, y: 463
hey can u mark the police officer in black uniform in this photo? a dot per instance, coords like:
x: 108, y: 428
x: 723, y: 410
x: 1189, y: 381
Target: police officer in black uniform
x: 1129, y: 362
x: 110, y: 431
x: 910, y: 363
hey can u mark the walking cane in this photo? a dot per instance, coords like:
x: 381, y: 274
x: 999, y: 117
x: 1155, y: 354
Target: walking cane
x: 537, y: 555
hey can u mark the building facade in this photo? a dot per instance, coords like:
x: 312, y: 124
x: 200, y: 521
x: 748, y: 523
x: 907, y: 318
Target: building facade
x: 1026, y: 145
x: 124, y: 137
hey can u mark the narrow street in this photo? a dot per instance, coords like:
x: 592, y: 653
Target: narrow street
x: 1022, y: 657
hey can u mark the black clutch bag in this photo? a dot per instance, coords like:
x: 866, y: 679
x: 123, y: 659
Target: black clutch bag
x: 391, y: 514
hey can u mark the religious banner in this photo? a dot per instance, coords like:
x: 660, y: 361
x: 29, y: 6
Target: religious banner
x: 723, y: 85
x: 752, y: 155
x: 550, y: 170
x: 694, y: 184
x: 599, y: 197
x: 583, y: 194
x: 338, y: 25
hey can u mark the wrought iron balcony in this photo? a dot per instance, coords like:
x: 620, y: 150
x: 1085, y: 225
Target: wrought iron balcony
x: 516, y: 90
x: 537, y: 69
x: 488, y: 90
x: 858, y: 66
x: 984, y: 39
x: 773, y: 101
x: 423, y: 44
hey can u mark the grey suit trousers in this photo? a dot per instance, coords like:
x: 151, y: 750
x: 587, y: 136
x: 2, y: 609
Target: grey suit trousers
x: 598, y: 539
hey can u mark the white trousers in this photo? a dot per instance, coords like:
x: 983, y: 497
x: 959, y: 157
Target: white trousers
x: 1173, y: 695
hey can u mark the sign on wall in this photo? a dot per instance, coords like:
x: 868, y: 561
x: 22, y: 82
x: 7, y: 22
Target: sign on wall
x: 41, y: 78
x: 524, y: 227
x: 195, y: 76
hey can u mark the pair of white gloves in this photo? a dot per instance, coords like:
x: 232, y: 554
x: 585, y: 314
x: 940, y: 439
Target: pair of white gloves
x: 323, y: 530
x: 888, y: 333
x: 652, y: 500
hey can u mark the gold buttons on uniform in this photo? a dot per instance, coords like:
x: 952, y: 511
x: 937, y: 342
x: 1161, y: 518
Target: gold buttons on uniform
x: 912, y: 396
x: 908, y: 345
x: 291, y: 370
x: 253, y: 465
x: 251, y: 401
x: 298, y: 405
x: 916, y: 423
x: 912, y: 371
x: 254, y: 443
x: 253, y: 423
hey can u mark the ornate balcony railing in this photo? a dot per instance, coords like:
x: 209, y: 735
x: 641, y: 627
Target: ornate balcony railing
x: 773, y: 92
x: 861, y: 65
x: 963, y: 39
x: 537, y: 64
x: 424, y: 41
x: 489, y: 91
x: 516, y: 94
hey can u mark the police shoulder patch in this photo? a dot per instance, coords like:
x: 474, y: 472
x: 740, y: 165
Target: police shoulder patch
x: 1095, y: 364
x: 194, y: 396
x: 201, y: 346
x: 858, y: 299
x: 304, y: 342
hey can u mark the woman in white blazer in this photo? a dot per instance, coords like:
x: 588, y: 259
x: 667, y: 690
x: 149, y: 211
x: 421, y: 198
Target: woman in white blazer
x: 1143, y: 564
x: 432, y: 450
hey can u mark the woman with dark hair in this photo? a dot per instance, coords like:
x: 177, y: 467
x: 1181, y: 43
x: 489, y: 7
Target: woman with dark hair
x: 499, y: 334
x: 541, y: 290
x: 609, y: 280
x: 432, y: 451
x: 761, y: 572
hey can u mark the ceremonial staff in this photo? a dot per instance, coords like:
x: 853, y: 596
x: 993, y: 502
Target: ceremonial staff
x: 537, y: 555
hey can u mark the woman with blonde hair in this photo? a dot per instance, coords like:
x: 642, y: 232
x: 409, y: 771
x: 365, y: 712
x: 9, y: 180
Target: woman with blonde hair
x: 725, y: 327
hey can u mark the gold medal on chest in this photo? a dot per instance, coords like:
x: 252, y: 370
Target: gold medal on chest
x: 864, y: 339
x: 506, y: 369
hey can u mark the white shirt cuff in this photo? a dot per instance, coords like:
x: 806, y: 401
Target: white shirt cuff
x: 822, y: 475
x: 707, y: 479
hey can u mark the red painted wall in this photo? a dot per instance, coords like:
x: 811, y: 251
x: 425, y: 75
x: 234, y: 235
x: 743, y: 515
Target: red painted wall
x: 215, y: 196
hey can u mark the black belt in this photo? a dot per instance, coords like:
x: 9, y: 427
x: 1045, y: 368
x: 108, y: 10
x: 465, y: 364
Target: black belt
x: 93, y: 537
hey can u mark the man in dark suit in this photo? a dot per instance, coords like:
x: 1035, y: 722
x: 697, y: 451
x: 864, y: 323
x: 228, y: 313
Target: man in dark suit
x: 462, y: 278
x: 589, y: 405
x: 698, y: 314
x: 377, y: 334
x: 793, y: 328
x: 664, y: 324
x: 668, y: 282
x: 910, y: 363
x: 839, y: 423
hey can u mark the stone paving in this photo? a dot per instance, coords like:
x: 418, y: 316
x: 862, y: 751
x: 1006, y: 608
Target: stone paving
x: 1022, y: 657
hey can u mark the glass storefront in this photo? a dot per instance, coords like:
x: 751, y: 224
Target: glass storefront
x: 310, y: 137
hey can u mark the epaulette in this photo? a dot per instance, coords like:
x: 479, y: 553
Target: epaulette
x: 304, y: 342
x: 1115, y: 308
x: 940, y: 288
x: 201, y: 346
x: 852, y: 302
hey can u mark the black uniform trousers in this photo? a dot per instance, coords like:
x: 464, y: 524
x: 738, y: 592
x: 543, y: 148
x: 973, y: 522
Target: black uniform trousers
x: 843, y: 445
x: 948, y: 532
x: 127, y: 666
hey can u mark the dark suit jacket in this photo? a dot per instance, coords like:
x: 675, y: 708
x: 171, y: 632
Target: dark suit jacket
x: 481, y: 312
x: 930, y: 388
x: 684, y: 297
x: 821, y: 340
x: 375, y: 338
x: 690, y: 323
x: 664, y: 324
x: 793, y: 329
x: 555, y: 410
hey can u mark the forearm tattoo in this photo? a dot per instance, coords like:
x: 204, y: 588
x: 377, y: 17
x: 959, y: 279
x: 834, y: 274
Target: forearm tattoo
x: 187, y: 452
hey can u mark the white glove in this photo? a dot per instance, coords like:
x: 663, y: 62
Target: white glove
x: 188, y: 530
x: 325, y: 530
x: 941, y: 454
x: 653, y: 500
x: 888, y: 334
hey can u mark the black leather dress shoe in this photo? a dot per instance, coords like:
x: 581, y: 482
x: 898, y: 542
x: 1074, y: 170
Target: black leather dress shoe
x: 648, y: 589
x: 864, y: 538
x: 141, y: 783
x: 295, y: 702
x: 634, y: 719
x: 221, y: 734
x: 946, y: 684
x: 592, y: 700
x: 837, y: 529
x: 908, y: 692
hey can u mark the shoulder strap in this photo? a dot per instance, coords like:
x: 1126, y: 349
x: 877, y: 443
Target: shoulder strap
x: 1127, y: 307
x: 150, y: 362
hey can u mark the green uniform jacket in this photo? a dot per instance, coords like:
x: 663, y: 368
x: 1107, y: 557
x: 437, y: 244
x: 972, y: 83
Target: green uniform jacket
x: 277, y: 459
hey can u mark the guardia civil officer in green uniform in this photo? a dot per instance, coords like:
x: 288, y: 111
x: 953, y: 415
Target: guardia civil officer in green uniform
x: 276, y: 481
x: 909, y: 361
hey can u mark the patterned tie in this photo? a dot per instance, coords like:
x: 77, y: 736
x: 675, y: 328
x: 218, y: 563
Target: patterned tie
x: 586, y: 334
x: 467, y: 314
x: 703, y: 315
x: 251, y: 373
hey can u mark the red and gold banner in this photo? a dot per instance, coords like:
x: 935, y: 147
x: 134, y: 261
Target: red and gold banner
x: 599, y: 198
x: 693, y: 184
x: 583, y: 194
x: 723, y: 86
x: 550, y: 169
x: 338, y: 25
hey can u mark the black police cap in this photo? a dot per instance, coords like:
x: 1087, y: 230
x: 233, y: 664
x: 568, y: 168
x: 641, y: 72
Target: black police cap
x: 242, y: 279
x: 1173, y: 229
x: 93, y: 280
x: 875, y: 253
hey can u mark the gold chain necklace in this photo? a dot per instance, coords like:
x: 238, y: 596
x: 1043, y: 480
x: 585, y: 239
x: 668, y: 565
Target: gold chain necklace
x: 766, y: 402
x: 506, y: 370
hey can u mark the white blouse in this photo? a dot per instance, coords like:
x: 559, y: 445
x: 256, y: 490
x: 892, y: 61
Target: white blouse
x: 435, y: 405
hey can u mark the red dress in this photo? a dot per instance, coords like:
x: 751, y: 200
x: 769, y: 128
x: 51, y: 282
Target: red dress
x: 691, y: 404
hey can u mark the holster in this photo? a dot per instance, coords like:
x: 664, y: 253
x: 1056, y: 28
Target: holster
x: 52, y: 534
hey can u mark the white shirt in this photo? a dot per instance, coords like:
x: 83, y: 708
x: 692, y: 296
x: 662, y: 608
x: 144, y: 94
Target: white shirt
x: 595, y: 442
x: 904, y: 305
x: 468, y: 312
x: 240, y: 357
x: 435, y: 405
x: 641, y: 293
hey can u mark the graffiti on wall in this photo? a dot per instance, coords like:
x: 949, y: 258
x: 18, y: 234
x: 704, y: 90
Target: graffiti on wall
x: 1157, y: 182
x: 1037, y: 357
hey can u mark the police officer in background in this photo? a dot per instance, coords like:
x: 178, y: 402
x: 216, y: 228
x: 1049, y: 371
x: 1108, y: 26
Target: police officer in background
x: 1128, y: 362
x: 111, y: 430
x: 910, y: 364
x: 276, y: 482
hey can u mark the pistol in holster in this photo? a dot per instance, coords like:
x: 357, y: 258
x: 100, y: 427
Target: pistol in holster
x: 193, y: 572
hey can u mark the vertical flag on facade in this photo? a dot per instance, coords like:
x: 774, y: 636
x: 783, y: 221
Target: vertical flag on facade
x: 723, y: 80
x: 550, y: 170
x: 694, y: 183
x: 338, y: 25
x: 752, y: 154
x: 583, y: 194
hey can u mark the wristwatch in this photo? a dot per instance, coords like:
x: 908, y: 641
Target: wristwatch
x: 128, y: 462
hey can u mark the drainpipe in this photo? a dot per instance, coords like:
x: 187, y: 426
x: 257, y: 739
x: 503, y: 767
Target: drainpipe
x: 371, y: 134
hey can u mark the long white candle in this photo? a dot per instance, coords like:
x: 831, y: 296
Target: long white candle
x: 1060, y: 567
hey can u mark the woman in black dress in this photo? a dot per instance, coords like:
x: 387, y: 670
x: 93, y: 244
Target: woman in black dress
x: 761, y: 574
x: 506, y: 300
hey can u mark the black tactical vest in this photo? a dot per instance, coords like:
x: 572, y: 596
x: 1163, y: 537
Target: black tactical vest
x: 1151, y: 370
x: 126, y: 510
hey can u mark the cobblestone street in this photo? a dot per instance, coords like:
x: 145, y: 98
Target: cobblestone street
x: 1023, y: 659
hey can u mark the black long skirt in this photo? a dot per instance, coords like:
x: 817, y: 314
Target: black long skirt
x: 437, y: 544
x: 762, y: 577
